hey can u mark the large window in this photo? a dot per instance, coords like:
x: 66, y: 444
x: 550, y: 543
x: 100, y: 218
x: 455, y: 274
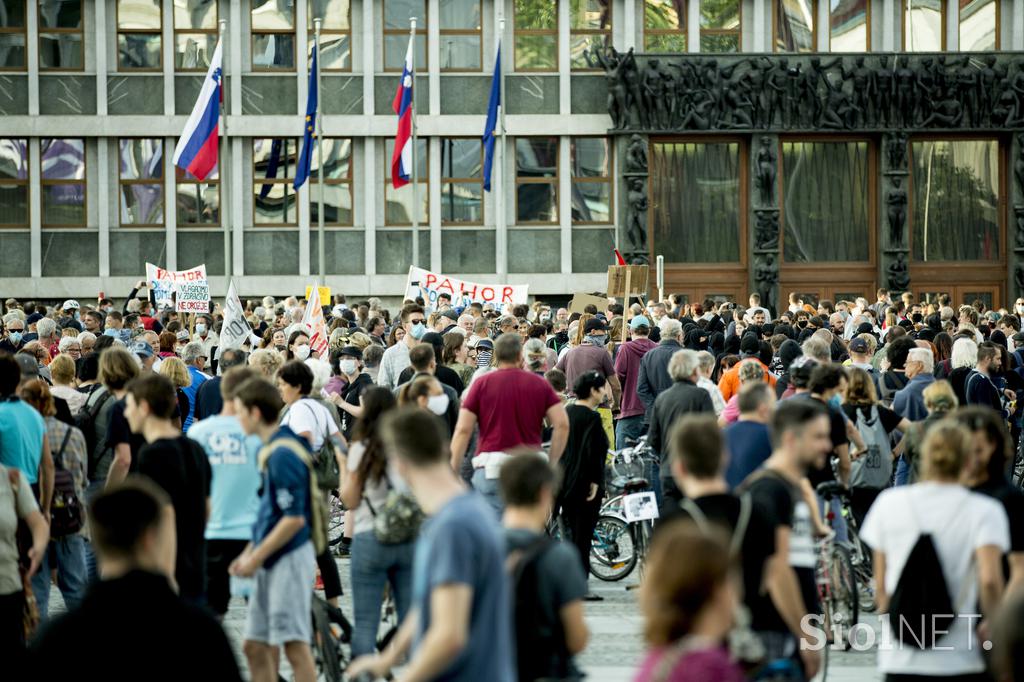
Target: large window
x: 398, y: 203
x: 335, y: 33
x: 273, y: 172
x: 12, y: 35
x: 461, y: 35
x: 60, y: 35
x: 536, y: 35
x: 195, y: 34
x: 273, y: 35
x: 590, y: 159
x: 141, y: 176
x: 695, y: 215
x: 826, y: 201
x: 795, y: 23
x: 955, y: 200
x: 849, y: 25
x: 665, y: 25
x: 536, y: 179
x: 924, y: 25
x: 337, y: 182
x: 979, y: 25
x: 720, y: 25
x: 139, y: 24
x: 396, y: 33
x: 13, y: 182
x: 462, y: 181
x: 63, y: 182
x: 198, y: 201
x: 590, y: 27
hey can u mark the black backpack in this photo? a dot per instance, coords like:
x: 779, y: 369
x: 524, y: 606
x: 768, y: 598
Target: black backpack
x: 66, y: 515
x: 540, y: 638
x: 85, y: 420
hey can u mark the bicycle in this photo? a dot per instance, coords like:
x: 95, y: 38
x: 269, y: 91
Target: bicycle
x: 834, y: 573
x: 335, y: 520
x: 860, y: 556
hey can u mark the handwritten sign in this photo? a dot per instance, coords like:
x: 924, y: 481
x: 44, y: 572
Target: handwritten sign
x: 188, y: 290
x: 430, y: 285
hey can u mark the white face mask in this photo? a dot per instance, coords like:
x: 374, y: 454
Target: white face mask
x: 302, y: 352
x: 438, y: 404
x: 200, y: 329
x: 347, y: 367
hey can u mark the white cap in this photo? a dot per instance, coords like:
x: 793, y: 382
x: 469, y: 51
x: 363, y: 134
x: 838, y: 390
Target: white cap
x: 70, y: 304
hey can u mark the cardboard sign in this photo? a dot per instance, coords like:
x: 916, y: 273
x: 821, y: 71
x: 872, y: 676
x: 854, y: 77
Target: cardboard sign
x: 581, y: 300
x: 188, y: 290
x: 430, y: 285
x: 325, y: 294
x: 637, y: 276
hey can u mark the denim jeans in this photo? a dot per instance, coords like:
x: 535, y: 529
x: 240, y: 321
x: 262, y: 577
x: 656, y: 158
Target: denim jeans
x: 91, y: 571
x: 902, y: 471
x: 373, y: 565
x: 67, y: 555
x: 488, y: 487
x: 628, y: 428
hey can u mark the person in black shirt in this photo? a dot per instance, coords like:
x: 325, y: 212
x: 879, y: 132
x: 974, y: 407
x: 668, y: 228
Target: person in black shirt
x: 179, y: 466
x: 828, y: 381
x: 208, y: 399
x: 133, y: 534
x: 347, y: 362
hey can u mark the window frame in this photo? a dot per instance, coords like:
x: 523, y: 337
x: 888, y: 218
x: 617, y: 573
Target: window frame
x: 595, y: 180
x: 287, y: 180
x: 516, y: 32
x: 453, y: 180
x: 183, y: 177
x: 254, y: 32
x: 776, y: 22
x: 159, y: 32
x: 588, y: 32
x: 162, y: 181
x: 423, y: 182
x: 42, y: 31
x: 738, y: 32
x: 311, y: 36
x: 867, y: 28
x: 44, y: 183
x: 959, y: 27
x: 684, y: 31
x: 333, y: 182
x: 479, y: 33
x: 175, y: 32
x: 554, y: 181
x: 904, y: 27
x: 23, y: 32
x: 421, y: 31
x: 27, y: 184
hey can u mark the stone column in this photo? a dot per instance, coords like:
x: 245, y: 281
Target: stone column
x: 895, y: 256
x: 763, y: 193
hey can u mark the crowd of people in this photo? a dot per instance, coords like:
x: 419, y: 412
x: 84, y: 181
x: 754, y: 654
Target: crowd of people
x: 146, y: 469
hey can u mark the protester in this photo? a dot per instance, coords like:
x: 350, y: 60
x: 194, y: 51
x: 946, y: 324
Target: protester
x: 208, y: 397
x: 630, y: 423
x: 748, y: 439
x: 591, y: 355
x: 175, y: 370
x: 62, y: 374
x: 654, y: 378
x: 117, y: 447
x: 396, y: 357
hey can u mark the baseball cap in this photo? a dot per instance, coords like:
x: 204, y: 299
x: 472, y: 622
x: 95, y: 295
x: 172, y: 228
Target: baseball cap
x: 858, y: 345
x: 451, y: 315
x: 70, y: 304
x: 33, y: 318
x: 640, y: 321
x: 142, y: 349
x: 182, y: 335
x: 350, y: 351
x: 595, y: 324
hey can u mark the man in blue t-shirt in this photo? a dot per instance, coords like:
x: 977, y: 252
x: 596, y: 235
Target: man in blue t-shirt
x: 460, y: 624
x: 281, y: 555
x: 748, y: 439
x: 234, y: 493
x: 23, y: 442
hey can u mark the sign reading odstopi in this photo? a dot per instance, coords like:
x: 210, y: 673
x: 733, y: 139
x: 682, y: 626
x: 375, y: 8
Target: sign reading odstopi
x: 190, y: 288
x: 430, y: 285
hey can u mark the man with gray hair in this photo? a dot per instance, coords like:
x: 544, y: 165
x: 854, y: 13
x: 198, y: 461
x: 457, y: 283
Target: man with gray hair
x: 909, y: 400
x: 194, y: 356
x: 684, y: 397
x: 653, y: 378
x: 46, y: 332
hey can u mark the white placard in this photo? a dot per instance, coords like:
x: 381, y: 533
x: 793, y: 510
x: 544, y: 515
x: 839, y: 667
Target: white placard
x: 640, y: 507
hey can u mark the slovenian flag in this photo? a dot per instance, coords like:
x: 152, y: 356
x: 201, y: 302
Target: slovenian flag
x: 401, y: 159
x: 197, y: 148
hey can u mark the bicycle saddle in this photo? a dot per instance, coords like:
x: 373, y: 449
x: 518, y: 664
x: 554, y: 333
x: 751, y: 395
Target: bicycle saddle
x: 831, y: 489
x: 635, y: 485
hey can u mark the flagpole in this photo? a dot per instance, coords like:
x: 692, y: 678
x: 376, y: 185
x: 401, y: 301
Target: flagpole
x: 317, y: 22
x: 499, y: 203
x: 223, y: 163
x: 415, y: 167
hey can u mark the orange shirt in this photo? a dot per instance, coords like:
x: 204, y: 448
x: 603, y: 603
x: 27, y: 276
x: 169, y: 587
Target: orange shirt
x: 729, y: 384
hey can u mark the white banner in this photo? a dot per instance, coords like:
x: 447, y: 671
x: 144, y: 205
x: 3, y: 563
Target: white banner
x: 188, y: 289
x: 314, y: 319
x: 235, y: 330
x: 430, y: 284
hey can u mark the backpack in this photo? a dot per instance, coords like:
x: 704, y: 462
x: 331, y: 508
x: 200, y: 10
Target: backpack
x: 886, y: 391
x: 317, y: 505
x: 873, y: 469
x: 324, y: 460
x: 399, y: 520
x: 540, y: 638
x: 86, y: 422
x: 66, y: 513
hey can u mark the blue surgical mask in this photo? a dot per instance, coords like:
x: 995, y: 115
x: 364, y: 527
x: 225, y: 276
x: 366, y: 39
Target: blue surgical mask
x: 836, y: 402
x: 418, y: 330
x: 15, y: 337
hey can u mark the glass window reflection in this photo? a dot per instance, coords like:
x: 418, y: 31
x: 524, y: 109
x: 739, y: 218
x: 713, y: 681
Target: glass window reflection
x: 848, y: 26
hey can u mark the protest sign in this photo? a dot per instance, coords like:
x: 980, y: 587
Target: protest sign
x: 188, y: 289
x: 325, y: 294
x: 235, y: 330
x: 429, y: 285
x: 581, y: 300
x: 314, y: 319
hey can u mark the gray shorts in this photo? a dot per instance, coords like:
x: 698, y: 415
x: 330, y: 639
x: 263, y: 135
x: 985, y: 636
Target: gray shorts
x: 280, y: 609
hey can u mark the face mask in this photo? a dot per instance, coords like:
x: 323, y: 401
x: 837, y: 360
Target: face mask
x: 562, y: 337
x: 108, y: 309
x: 302, y: 352
x: 111, y: 332
x: 598, y: 341
x: 347, y: 367
x: 1020, y: 310
x: 76, y: 315
x: 418, y: 330
x: 801, y: 323
x: 201, y: 329
x: 438, y: 404
x: 15, y: 337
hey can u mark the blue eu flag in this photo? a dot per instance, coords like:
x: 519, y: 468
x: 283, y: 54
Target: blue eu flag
x: 306, y: 157
x: 492, y: 120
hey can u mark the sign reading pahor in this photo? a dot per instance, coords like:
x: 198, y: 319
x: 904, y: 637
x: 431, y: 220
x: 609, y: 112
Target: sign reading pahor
x: 430, y: 285
x: 189, y: 290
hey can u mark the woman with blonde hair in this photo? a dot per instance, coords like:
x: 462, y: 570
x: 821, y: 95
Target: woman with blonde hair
x: 174, y: 369
x: 967, y: 531
x: 62, y: 374
x: 266, y: 361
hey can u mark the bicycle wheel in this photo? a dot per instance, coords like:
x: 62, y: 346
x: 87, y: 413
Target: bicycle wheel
x: 326, y: 654
x: 843, y: 593
x: 612, y: 553
x: 335, y: 521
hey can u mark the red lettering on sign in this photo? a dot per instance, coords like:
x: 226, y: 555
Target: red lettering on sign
x: 487, y: 293
x: 466, y: 291
x: 506, y: 295
x: 431, y: 280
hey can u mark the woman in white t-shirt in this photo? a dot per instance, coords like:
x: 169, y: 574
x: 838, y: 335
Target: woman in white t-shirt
x: 970, y: 533
x: 368, y: 480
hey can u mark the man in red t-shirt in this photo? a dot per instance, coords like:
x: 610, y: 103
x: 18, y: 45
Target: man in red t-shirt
x: 510, y: 405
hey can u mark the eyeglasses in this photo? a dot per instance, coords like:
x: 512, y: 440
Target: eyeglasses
x: 421, y: 321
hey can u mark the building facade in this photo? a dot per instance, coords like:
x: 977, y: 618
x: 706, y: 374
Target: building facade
x: 94, y: 93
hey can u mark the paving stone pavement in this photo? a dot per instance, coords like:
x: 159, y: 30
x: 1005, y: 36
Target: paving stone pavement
x: 616, y: 641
